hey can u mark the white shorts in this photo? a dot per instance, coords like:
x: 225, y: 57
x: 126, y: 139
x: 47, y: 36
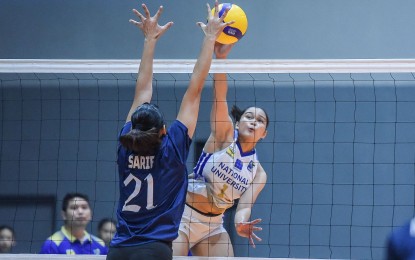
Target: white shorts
x: 198, y: 227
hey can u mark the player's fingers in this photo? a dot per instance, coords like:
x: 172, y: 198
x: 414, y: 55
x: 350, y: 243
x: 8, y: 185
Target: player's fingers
x: 201, y: 25
x: 138, y: 24
x: 222, y: 17
x: 159, y: 12
x: 256, y: 221
x: 251, y: 241
x: 146, y: 11
x: 256, y: 237
x: 228, y: 23
x: 255, y: 228
x: 165, y: 27
x: 209, y: 10
x: 138, y: 14
x: 216, y: 8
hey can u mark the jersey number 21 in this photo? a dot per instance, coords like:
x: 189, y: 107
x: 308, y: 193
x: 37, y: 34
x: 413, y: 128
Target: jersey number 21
x: 137, y: 188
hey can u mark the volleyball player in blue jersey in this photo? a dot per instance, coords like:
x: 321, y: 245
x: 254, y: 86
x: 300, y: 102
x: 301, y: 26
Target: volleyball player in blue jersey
x: 151, y: 159
x: 228, y: 169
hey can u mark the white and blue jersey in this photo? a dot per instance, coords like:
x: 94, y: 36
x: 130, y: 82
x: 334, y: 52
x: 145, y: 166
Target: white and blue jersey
x: 63, y: 242
x: 152, y: 190
x: 224, y: 175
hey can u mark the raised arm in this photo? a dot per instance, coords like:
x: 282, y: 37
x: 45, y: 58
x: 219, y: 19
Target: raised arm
x: 152, y: 32
x: 189, y: 108
x: 220, y: 122
x: 244, y: 227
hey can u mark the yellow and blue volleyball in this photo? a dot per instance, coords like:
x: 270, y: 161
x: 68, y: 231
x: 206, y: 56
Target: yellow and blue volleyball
x: 235, y: 31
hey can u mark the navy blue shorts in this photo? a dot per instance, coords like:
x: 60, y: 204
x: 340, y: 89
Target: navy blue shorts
x: 150, y: 251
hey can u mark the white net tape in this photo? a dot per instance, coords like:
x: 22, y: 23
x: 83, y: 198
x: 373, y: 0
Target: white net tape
x: 226, y: 66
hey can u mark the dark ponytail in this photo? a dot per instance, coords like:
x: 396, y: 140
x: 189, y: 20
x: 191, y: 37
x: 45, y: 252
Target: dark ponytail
x: 144, y: 137
x: 141, y: 142
x: 236, y: 113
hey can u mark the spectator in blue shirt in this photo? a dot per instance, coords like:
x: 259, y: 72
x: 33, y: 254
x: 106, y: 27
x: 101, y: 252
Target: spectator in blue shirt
x: 72, y: 238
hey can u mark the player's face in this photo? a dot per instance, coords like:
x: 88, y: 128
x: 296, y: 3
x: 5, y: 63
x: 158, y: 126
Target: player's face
x: 78, y: 212
x: 107, y: 232
x: 253, y: 125
x: 6, y: 241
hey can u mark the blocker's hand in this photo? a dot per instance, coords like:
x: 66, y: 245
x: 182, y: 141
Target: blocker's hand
x: 149, y: 24
x: 246, y: 229
x: 215, y: 24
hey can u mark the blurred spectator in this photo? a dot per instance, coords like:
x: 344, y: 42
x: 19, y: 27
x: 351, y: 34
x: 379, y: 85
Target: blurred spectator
x: 106, y: 229
x: 73, y: 239
x: 7, y: 239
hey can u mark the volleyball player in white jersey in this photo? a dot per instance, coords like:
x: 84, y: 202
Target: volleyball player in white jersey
x: 151, y: 160
x: 228, y: 169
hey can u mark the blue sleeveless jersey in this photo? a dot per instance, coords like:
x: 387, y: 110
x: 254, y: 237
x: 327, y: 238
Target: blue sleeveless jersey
x: 152, y: 190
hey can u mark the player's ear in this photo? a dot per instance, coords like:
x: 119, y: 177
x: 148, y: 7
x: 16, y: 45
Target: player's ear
x: 63, y: 215
x: 163, y: 131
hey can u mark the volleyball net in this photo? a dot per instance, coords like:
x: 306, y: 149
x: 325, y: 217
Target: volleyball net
x: 339, y: 153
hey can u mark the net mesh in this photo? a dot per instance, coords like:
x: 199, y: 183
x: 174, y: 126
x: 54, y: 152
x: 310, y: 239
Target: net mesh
x: 339, y: 153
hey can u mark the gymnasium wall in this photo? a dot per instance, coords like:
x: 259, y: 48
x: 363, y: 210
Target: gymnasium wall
x: 278, y: 29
